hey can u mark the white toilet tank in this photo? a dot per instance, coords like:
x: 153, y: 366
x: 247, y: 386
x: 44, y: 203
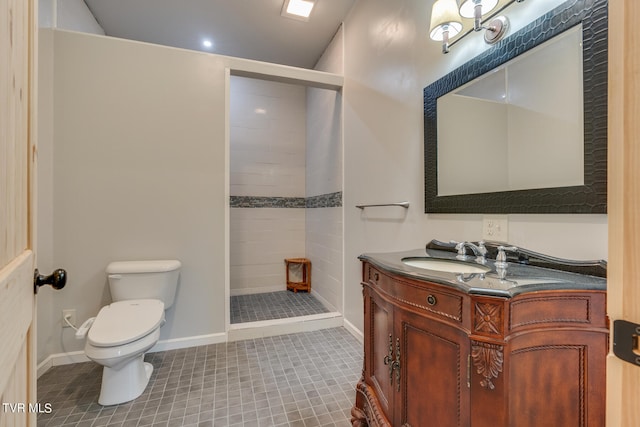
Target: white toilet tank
x: 144, y: 280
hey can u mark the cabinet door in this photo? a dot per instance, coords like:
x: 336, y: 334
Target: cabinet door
x: 379, y: 331
x: 433, y: 390
x: 557, y: 378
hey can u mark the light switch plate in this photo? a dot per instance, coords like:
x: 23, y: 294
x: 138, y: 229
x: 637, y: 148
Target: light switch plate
x: 495, y: 228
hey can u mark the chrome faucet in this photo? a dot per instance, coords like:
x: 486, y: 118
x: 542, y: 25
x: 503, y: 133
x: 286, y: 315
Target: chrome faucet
x: 478, y: 250
x: 501, y: 258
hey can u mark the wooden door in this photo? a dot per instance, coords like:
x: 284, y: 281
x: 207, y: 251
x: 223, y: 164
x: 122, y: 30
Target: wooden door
x: 18, y: 29
x: 623, y: 282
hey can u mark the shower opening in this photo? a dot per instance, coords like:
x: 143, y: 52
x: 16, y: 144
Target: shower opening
x: 285, y: 186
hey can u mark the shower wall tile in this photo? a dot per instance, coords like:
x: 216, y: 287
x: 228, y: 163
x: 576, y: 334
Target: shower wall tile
x: 268, y: 138
x: 260, y: 240
x: 280, y: 151
x: 324, y: 248
x: 324, y: 142
x: 324, y: 234
x: 267, y: 162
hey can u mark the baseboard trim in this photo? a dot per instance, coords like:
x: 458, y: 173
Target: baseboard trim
x: 186, y: 342
x: 162, y: 345
x: 354, y: 331
x: 58, y: 359
x: 238, y: 332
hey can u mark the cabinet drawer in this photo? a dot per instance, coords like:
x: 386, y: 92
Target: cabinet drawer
x: 418, y: 295
x: 573, y: 309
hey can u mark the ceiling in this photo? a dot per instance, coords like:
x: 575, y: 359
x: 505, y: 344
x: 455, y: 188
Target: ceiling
x: 252, y: 29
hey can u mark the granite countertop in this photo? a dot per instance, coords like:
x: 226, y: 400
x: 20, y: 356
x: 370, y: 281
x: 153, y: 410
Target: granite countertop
x: 519, y: 278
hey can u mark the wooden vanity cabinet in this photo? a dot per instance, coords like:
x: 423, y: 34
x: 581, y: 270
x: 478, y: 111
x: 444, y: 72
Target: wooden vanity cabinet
x: 436, y: 356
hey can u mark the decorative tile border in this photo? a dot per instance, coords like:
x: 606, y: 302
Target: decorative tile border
x: 331, y: 200
x: 266, y: 202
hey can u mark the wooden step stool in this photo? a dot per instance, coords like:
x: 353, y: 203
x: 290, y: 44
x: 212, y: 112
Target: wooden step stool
x: 305, y: 266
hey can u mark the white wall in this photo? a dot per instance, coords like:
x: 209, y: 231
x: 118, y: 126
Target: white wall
x: 134, y: 165
x: 389, y: 59
x: 48, y: 340
x: 125, y: 124
x: 72, y: 15
x: 139, y: 173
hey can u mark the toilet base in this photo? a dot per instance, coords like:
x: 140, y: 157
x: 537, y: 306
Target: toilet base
x: 124, y: 384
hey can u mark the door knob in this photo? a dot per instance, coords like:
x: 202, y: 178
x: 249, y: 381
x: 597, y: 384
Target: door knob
x: 57, y: 279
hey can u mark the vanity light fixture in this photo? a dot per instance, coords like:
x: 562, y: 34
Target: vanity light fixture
x: 446, y: 20
x: 476, y: 9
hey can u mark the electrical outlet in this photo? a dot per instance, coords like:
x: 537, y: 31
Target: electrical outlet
x: 70, y: 314
x: 495, y: 228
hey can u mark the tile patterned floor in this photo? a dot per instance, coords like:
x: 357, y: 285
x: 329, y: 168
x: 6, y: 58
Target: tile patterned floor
x: 295, y: 380
x: 274, y: 305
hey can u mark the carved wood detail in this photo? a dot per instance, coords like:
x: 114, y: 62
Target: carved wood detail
x: 488, y: 318
x: 358, y: 418
x: 370, y: 414
x: 488, y: 360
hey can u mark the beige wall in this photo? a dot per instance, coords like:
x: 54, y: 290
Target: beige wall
x: 389, y: 59
x: 47, y: 340
x: 139, y: 173
x: 171, y: 144
x: 135, y: 165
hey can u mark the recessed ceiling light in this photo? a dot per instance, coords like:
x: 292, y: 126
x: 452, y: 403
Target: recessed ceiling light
x: 298, y: 9
x: 207, y: 44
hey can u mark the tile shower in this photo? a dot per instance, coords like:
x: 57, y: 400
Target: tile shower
x: 285, y: 187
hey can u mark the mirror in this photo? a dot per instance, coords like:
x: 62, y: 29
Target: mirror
x: 522, y: 117
x: 545, y: 150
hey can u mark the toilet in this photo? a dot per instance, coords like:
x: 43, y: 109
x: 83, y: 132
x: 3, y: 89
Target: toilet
x: 123, y: 331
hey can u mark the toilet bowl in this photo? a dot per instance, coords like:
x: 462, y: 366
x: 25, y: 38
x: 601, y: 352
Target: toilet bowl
x: 120, y: 335
x: 123, y: 331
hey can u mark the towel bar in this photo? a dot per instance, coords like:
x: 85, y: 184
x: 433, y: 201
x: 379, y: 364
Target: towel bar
x: 402, y: 204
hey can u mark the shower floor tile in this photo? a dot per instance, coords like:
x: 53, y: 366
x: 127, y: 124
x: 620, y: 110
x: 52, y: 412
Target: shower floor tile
x: 304, y: 379
x: 274, y: 305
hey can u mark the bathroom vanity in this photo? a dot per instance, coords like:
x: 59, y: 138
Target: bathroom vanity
x: 491, y: 347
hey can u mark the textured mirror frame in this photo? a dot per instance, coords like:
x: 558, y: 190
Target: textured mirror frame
x: 588, y: 198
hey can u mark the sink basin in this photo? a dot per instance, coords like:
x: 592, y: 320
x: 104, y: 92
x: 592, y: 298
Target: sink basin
x: 449, y: 266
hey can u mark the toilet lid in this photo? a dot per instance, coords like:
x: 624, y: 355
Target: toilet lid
x: 125, y: 321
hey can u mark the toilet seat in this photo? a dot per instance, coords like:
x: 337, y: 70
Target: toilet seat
x: 123, y: 322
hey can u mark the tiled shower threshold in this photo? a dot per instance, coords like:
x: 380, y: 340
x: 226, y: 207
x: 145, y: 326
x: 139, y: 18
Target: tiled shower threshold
x: 273, y: 327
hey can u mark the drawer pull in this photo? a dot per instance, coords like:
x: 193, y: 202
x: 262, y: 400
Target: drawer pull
x: 431, y: 300
x: 376, y: 276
